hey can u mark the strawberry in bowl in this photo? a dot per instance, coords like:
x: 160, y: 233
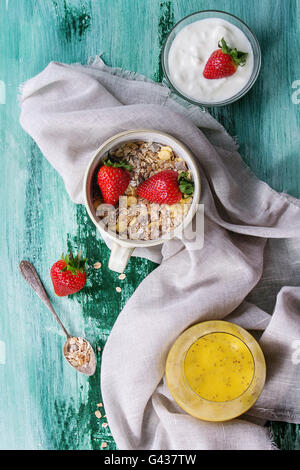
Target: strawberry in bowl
x: 113, y: 179
x: 224, y: 62
x: 166, y: 187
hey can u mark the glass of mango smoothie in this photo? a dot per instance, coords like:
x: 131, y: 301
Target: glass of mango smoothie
x: 215, y: 371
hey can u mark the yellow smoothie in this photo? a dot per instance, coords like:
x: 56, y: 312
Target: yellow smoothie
x: 219, y: 367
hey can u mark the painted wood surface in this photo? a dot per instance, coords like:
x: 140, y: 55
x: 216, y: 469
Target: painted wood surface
x: 45, y: 404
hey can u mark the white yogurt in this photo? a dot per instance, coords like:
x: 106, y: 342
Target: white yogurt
x: 190, y: 52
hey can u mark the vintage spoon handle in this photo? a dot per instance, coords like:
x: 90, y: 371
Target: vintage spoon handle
x: 31, y: 276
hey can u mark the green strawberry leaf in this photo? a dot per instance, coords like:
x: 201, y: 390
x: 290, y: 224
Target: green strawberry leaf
x: 186, y: 185
x: 74, y: 265
x: 238, y: 57
x: 117, y: 163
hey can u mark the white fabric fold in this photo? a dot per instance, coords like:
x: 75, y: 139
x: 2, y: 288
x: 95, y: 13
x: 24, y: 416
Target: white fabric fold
x: 69, y: 111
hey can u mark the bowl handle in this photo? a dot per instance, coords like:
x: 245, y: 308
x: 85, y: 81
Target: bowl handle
x: 119, y: 257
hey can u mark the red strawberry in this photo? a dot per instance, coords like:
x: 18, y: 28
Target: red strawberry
x: 68, y: 275
x: 166, y: 187
x: 224, y: 62
x: 113, y: 179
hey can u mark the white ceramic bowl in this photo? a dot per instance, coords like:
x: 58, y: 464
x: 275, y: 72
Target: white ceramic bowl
x: 122, y: 248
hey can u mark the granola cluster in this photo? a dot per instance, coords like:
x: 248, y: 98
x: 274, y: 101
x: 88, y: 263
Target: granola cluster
x: 135, y: 217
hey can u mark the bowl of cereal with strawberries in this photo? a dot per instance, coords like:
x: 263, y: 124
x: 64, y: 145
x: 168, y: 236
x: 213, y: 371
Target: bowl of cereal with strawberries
x: 141, y: 188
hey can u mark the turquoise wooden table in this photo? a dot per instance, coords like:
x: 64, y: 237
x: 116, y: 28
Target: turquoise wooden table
x: 45, y: 404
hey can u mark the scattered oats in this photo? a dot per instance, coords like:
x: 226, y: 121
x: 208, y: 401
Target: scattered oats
x: 122, y: 276
x: 104, y: 425
x: 98, y: 414
x: 118, y: 289
x: 99, y: 405
x: 97, y: 265
x: 103, y: 445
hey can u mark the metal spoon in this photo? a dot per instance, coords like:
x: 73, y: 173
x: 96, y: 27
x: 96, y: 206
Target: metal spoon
x: 30, y: 275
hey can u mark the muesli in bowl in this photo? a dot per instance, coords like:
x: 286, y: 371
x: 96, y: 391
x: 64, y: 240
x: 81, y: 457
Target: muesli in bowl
x: 142, y: 190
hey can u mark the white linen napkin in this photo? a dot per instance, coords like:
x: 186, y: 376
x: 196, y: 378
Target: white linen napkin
x: 69, y: 111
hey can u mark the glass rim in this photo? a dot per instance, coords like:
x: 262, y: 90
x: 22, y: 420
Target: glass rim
x: 237, y: 96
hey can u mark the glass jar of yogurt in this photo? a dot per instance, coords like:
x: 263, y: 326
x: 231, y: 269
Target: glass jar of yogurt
x: 189, y: 46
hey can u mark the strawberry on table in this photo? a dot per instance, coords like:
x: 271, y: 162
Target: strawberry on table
x: 166, y: 187
x: 224, y: 62
x: 68, y: 274
x: 113, y: 179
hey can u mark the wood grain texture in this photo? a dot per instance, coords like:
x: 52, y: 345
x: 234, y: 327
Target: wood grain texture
x: 45, y: 404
